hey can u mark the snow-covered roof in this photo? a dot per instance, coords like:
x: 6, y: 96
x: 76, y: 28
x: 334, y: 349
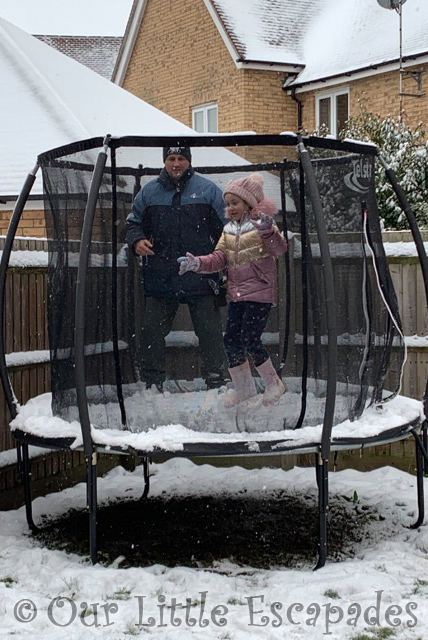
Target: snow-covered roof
x: 267, y: 31
x: 68, y: 17
x: 315, y: 39
x: 98, y: 53
x: 327, y: 37
x: 53, y: 100
x: 349, y: 36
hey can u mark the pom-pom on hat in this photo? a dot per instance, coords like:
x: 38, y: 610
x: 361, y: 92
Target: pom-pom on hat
x: 249, y: 189
x: 177, y: 151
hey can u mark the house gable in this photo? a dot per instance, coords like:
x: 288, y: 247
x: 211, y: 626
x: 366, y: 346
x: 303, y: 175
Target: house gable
x: 258, y: 38
x: 180, y: 60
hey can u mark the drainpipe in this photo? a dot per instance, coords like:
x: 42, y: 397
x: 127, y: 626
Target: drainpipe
x: 299, y: 110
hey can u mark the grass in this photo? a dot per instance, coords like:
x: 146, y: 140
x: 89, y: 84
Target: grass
x: 234, y: 600
x: 8, y: 581
x: 419, y: 586
x: 331, y: 593
x: 120, y: 594
x: 377, y: 634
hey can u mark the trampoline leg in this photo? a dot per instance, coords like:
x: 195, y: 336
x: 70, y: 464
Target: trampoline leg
x: 321, y: 467
x: 421, y: 463
x: 425, y: 443
x: 146, y: 471
x: 26, y: 473
x: 421, y: 446
x: 91, y: 493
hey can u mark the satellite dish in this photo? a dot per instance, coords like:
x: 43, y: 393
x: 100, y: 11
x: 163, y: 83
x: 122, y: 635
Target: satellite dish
x: 391, y: 4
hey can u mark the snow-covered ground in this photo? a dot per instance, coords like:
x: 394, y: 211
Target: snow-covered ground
x: 379, y: 593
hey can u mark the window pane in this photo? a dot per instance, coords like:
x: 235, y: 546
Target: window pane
x: 341, y: 112
x: 212, y: 119
x: 198, y: 121
x: 324, y: 106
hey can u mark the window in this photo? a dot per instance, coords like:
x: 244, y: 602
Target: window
x: 205, y: 118
x: 332, y: 110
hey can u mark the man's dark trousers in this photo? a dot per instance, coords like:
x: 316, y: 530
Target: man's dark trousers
x: 158, y: 320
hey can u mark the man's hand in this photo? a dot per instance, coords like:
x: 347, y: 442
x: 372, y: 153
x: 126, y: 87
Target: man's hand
x: 263, y: 222
x: 143, y: 247
x: 189, y: 262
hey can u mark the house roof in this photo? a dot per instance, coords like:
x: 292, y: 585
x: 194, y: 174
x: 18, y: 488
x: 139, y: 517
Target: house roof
x: 268, y: 31
x: 326, y: 37
x: 99, y: 53
x: 349, y: 36
x: 53, y: 100
x: 313, y: 39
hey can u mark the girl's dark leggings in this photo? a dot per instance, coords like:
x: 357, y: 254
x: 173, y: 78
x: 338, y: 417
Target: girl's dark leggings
x: 246, y: 322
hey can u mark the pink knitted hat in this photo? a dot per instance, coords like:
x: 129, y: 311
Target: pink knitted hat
x: 249, y: 189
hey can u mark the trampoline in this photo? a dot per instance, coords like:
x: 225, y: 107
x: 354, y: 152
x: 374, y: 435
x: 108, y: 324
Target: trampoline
x: 337, y: 338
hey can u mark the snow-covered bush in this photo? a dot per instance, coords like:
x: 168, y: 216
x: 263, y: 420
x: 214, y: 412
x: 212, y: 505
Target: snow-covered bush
x: 406, y: 152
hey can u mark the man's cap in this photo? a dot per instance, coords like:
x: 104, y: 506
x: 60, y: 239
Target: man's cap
x: 177, y: 151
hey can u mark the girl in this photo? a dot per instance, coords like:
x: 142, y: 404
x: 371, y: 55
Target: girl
x: 247, y: 249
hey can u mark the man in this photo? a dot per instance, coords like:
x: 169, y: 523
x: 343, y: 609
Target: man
x: 178, y: 212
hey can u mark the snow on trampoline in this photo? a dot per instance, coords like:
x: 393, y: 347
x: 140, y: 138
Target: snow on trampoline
x: 197, y: 416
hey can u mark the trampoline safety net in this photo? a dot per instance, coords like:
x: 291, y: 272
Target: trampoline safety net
x: 370, y: 344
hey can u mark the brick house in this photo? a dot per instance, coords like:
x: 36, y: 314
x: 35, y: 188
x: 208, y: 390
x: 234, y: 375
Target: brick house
x: 276, y: 65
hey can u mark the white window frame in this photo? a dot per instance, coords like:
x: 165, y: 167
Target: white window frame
x: 204, y: 108
x: 333, y: 111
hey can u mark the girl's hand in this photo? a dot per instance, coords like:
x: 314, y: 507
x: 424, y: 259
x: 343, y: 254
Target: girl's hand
x: 263, y: 223
x: 189, y: 262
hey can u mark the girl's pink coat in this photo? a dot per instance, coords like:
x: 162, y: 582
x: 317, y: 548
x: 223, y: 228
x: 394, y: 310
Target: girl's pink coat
x: 249, y: 255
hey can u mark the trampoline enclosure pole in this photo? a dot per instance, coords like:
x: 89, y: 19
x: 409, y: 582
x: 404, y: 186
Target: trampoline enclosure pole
x: 79, y: 348
x: 79, y: 324
x: 327, y: 269
x: 114, y: 279
x: 411, y: 219
x: 8, y: 245
x: 287, y: 276
x: 305, y: 303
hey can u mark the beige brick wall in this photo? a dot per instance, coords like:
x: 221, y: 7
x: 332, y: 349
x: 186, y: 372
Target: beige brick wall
x: 180, y: 61
x: 379, y: 94
x: 31, y: 225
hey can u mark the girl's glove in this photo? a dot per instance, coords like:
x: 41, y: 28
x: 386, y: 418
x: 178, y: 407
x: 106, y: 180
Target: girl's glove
x: 189, y: 262
x: 263, y: 223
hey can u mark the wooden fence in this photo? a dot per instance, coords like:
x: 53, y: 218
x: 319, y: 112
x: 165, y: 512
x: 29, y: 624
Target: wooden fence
x: 26, y: 331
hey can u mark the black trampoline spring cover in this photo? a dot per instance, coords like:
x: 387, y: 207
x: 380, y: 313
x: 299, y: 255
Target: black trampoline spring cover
x: 370, y: 345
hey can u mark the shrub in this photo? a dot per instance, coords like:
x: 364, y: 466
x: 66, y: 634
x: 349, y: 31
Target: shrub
x: 406, y: 152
